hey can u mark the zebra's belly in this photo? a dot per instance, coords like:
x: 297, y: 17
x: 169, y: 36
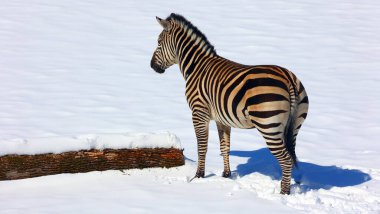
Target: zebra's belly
x: 241, y: 122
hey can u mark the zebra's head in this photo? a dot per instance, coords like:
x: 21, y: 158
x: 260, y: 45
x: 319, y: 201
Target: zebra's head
x: 164, y: 56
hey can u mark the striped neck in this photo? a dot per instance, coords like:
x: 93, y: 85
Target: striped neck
x: 191, y: 50
x: 192, y: 45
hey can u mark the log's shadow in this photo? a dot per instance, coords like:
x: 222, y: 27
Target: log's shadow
x: 311, y: 176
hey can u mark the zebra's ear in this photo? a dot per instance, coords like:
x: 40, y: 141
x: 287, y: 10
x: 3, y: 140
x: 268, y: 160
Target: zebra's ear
x: 162, y: 22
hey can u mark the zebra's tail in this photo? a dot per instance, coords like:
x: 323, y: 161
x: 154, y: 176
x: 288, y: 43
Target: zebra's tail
x: 289, y: 138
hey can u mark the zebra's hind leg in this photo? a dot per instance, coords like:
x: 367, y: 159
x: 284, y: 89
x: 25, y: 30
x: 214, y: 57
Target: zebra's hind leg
x: 278, y: 149
x: 286, y: 167
x: 224, y: 137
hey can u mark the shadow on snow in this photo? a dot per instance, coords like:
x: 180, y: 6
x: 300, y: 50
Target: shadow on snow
x: 311, y: 176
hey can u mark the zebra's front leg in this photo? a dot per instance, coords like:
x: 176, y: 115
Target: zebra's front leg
x: 201, y: 123
x: 224, y: 137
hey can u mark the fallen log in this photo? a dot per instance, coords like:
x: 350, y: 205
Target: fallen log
x: 27, y: 166
x: 22, y: 158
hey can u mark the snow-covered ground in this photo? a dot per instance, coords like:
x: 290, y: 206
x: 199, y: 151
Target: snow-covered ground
x: 70, y: 68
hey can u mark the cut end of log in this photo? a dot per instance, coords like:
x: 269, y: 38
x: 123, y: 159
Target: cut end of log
x: 28, y: 166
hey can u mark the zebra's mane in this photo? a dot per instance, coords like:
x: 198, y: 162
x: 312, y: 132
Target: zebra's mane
x: 185, y: 23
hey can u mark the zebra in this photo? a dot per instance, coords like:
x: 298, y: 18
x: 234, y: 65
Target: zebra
x: 269, y: 98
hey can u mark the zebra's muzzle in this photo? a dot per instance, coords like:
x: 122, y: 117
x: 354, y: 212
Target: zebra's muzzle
x: 156, y: 67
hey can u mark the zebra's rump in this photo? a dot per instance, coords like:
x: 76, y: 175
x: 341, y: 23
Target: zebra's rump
x: 254, y: 96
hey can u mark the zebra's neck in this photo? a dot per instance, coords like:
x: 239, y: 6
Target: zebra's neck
x: 192, y: 49
x: 191, y: 44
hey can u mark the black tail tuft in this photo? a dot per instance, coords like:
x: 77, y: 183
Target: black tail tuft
x: 289, y: 139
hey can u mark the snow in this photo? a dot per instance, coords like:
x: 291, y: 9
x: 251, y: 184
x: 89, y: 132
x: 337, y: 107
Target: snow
x: 87, y: 142
x: 69, y: 68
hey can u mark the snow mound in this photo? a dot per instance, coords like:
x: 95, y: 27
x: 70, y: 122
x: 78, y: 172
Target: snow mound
x: 90, y: 141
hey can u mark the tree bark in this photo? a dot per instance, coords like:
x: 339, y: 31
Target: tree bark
x: 27, y: 166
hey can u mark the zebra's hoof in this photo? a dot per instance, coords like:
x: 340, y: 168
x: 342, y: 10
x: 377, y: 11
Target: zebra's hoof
x: 285, y: 192
x: 226, y: 174
x: 199, y: 174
